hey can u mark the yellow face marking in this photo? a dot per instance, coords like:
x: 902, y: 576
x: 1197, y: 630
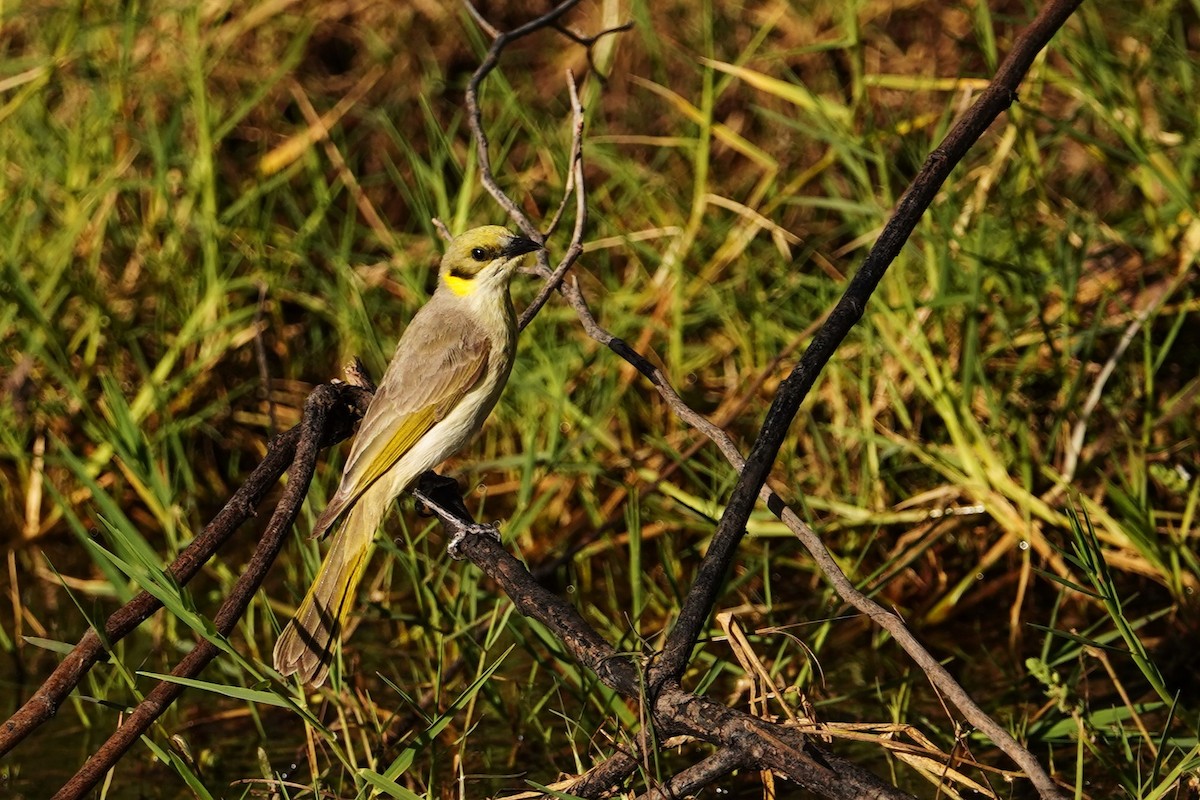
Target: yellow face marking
x: 460, y: 286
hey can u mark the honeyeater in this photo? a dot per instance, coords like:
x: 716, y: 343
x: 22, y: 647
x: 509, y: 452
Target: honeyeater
x: 450, y: 365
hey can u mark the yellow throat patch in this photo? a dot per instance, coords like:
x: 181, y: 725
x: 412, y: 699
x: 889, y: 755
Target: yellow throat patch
x: 460, y: 286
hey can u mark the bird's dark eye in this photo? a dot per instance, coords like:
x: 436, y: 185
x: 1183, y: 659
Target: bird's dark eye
x: 479, y: 254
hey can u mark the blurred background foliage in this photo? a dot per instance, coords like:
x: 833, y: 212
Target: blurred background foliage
x: 209, y: 208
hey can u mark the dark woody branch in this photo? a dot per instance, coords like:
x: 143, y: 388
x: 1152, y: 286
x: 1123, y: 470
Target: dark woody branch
x: 93, y: 647
x: 328, y: 418
x: 753, y: 741
x: 701, y: 598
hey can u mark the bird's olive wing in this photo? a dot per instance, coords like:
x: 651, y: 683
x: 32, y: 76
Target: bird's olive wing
x: 434, y: 367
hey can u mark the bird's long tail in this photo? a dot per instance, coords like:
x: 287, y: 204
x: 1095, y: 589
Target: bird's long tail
x: 305, y: 648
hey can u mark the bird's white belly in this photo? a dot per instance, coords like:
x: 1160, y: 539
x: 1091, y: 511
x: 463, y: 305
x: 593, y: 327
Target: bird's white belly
x: 445, y: 438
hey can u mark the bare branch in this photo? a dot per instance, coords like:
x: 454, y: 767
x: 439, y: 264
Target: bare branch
x: 995, y: 99
x: 480, y: 20
x: 91, y: 648
x: 475, y: 115
x: 442, y: 230
x: 573, y: 187
x: 674, y: 711
x: 320, y: 412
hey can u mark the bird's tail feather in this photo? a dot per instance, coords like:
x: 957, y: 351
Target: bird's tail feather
x: 305, y: 648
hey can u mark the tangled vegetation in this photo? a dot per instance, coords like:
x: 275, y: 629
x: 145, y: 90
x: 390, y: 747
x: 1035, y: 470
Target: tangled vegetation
x: 210, y: 209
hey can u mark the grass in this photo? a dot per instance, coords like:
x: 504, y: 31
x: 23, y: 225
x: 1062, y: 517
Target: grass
x: 168, y: 302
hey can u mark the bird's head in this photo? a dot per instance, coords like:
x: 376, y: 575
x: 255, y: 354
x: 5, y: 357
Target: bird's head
x: 483, y: 258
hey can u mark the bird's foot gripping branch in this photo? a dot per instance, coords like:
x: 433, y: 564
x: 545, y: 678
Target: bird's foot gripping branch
x: 454, y: 516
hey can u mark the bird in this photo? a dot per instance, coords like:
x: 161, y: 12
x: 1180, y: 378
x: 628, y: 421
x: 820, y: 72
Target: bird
x: 449, y: 369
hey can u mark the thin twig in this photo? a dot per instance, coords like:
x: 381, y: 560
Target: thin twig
x: 576, y: 156
x: 487, y: 175
x: 576, y: 184
x: 475, y: 115
x: 1079, y: 431
x: 480, y: 20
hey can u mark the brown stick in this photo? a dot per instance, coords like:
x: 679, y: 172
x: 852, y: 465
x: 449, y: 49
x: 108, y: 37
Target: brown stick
x: 318, y: 414
x: 674, y: 711
x: 46, y: 701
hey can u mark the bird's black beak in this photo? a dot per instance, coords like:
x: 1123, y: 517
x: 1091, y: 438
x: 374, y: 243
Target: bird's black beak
x: 519, y: 246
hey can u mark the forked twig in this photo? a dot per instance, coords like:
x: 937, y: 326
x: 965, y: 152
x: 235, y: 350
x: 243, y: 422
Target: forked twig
x: 475, y: 116
x: 589, y: 41
x: 91, y: 648
x: 753, y: 471
x: 323, y: 410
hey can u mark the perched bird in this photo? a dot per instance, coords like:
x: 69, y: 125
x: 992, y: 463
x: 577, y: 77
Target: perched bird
x: 450, y: 366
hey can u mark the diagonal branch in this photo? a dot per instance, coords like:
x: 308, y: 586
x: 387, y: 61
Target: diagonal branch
x: 46, y: 701
x: 675, y: 712
x: 553, y: 277
x: 999, y: 95
x: 319, y: 414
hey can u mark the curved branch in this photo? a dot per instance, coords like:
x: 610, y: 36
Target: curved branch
x: 314, y: 431
x: 553, y: 278
x: 576, y: 186
x: 92, y: 647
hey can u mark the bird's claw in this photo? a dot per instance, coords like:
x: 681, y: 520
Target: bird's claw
x: 454, y: 546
